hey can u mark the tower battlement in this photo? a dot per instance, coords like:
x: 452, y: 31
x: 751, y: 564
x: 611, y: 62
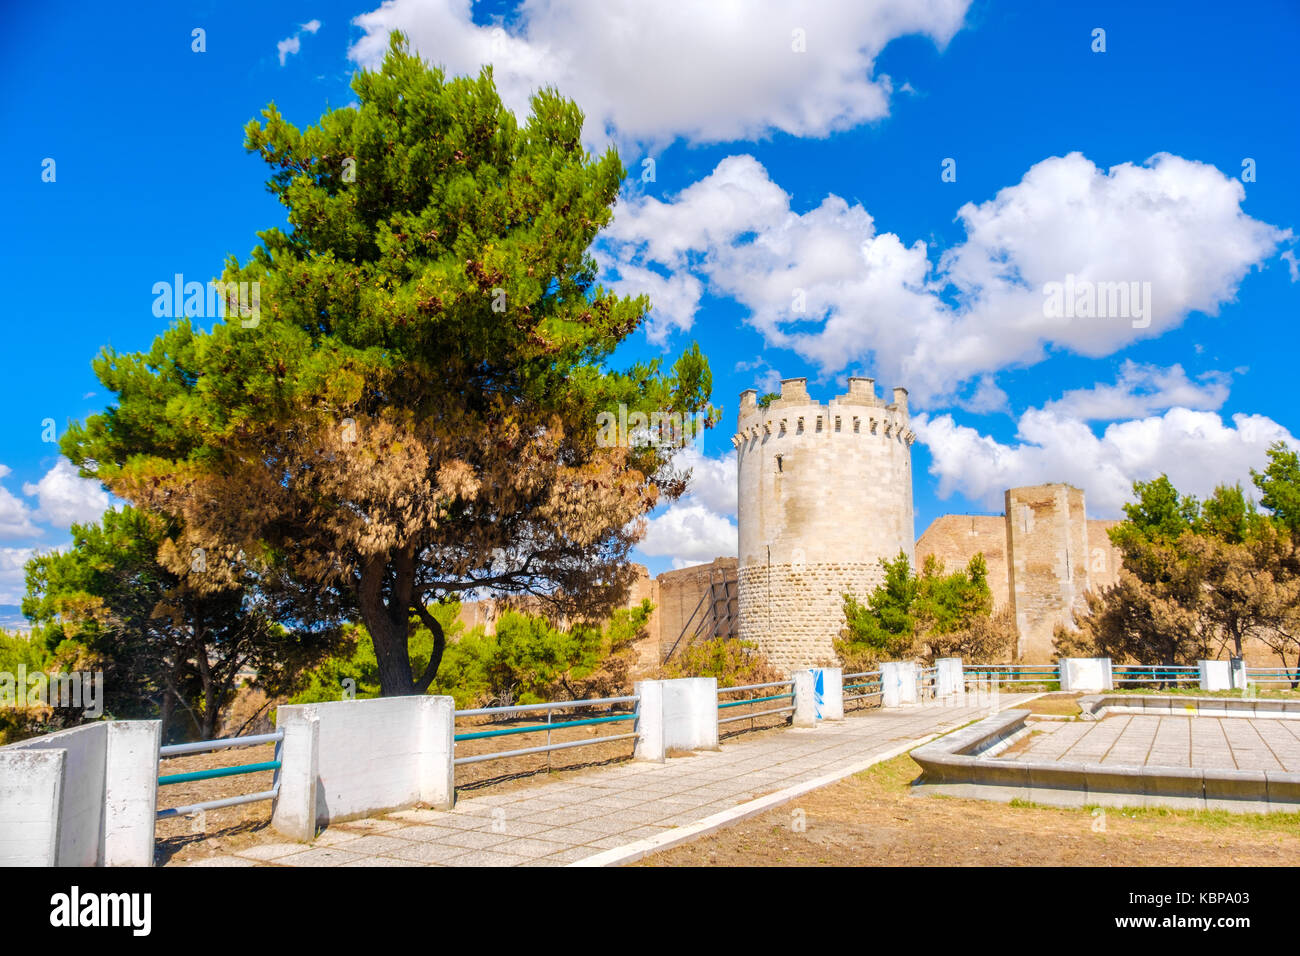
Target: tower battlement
x: 795, y: 414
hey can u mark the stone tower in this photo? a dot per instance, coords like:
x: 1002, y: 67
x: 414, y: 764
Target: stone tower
x: 825, y: 492
x: 1047, y: 537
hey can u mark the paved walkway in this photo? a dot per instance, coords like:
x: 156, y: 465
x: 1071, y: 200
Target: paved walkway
x: 615, y: 814
x: 1224, y: 743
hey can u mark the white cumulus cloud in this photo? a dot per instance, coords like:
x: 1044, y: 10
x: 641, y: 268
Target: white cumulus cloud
x: 13, y: 579
x: 689, y: 533
x: 653, y: 72
x: 826, y: 284
x: 1142, y: 390
x: 15, y: 514
x: 65, y: 498
x: 293, y: 44
x: 1196, y: 449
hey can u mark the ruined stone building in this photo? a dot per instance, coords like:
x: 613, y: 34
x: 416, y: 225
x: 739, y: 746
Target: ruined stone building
x: 1043, y: 554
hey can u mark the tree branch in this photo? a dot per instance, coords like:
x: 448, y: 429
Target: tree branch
x: 439, y: 645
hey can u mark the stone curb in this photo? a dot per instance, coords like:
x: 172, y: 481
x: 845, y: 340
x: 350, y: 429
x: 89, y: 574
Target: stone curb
x: 960, y: 764
x: 1098, y: 705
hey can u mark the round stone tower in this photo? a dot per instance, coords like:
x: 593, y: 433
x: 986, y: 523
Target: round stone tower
x: 825, y: 492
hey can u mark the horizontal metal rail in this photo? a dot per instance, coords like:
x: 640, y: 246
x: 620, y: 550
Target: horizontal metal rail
x: 1272, y: 675
x: 555, y: 705
x: 501, y: 755
x: 1142, y: 674
x: 218, y: 804
x: 733, y: 690
x: 212, y: 774
x: 1006, y: 677
x: 761, y: 713
x: 536, y: 728
x: 860, y: 674
x: 201, y: 746
x: 869, y: 683
x: 755, y: 700
x: 879, y: 693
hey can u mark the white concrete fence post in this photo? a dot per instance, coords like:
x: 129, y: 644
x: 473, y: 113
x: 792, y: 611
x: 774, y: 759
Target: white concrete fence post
x: 1237, y: 679
x: 897, y: 683
x: 31, y: 790
x: 805, y: 702
x: 649, y: 723
x: 86, y: 796
x: 678, y: 714
x: 1086, y: 674
x: 293, y: 812
x: 1215, y: 675
x: 828, y: 692
x: 950, y: 678
x: 131, y: 792
x: 438, y: 752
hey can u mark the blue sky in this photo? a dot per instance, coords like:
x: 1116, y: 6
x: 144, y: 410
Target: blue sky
x: 777, y: 170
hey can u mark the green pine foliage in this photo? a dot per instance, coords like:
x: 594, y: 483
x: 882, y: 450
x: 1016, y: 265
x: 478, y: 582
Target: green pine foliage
x: 929, y: 615
x: 527, y: 660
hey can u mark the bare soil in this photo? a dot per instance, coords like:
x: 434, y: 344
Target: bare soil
x: 873, y: 819
x: 1057, y: 705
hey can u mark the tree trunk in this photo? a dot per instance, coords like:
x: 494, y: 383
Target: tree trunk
x: 389, y: 628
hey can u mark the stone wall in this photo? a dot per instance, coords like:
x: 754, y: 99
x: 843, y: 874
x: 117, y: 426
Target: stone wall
x: 955, y: 539
x: 793, y: 613
x: 1047, y: 529
x: 1104, y: 558
x: 680, y: 593
x: 1056, y: 555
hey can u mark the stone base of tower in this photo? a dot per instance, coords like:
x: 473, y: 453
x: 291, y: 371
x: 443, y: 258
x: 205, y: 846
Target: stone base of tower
x: 793, y: 613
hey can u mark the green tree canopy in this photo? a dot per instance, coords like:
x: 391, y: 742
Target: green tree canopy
x: 167, y: 648
x: 1279, y: 484
x: 412, y: 415
x: 933, y: 614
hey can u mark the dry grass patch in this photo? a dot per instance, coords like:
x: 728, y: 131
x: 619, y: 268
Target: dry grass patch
x: 874, y: 819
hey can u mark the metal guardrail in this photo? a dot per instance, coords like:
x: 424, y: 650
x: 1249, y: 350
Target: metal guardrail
x: 1273, y: 675
x: 225, y: 743
x: 764, y: 698
x: 1011, y: 673
x: 1154, y: 673
x: 872, y: 687
x: 547, y: 728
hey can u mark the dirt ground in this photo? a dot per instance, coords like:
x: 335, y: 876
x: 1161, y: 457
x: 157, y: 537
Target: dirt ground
x: 182, y: 840
x: 873, y: 819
